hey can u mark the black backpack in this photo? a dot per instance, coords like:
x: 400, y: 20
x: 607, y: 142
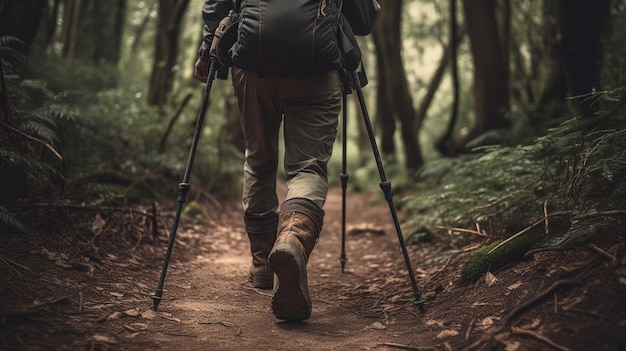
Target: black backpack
x: 287, y: 37
x: 294, y: 38
x: 361, y: 14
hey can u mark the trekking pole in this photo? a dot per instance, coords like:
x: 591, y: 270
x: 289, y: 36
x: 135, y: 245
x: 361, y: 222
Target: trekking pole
x: 344, y: 185
x: 385, y: 185
x: 183, y: 187
x: 215, y: 68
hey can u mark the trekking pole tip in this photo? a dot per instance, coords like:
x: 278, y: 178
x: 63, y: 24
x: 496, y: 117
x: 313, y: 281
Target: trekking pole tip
x: 155, y: 300
x: 420, y: 304
x: 343, y: 261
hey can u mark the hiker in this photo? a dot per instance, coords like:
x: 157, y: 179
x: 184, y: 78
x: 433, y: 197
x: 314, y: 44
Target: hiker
x: 281, y: 237
x: 306, y: 100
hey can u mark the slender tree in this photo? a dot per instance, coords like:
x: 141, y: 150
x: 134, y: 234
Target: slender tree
x: 92, y: 30
x: 166, y: 52
x: 581, y: 24
x: 488, y: 38
x: 394, y: 99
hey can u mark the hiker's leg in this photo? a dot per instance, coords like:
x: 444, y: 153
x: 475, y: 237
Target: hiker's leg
x: 260, y: 120
x: 311, y: 111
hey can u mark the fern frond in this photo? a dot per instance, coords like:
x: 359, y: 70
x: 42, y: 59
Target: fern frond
x: 581, y: 163
x: 32, y: 166
x: 10, y: 57
x: 7, y: 220
x: 45, y: 131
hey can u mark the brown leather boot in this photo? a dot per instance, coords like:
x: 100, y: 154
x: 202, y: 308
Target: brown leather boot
x: 262, y: 235
x: 260, y: 274
x: 298, y: 231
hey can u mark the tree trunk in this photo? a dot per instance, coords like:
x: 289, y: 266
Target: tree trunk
x: 490, y: 68
x: 48, y: 27
x: 170, y: 15
x: 93, y: 30
x: 20, y: 19
x: 550, y: 88
x: 581, y: 23
x: 73, y: 13
x: 109, y: 19
x: 397, y: 97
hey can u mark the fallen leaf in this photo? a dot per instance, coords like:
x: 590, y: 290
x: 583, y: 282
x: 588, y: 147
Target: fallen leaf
x: 447, y: 333
x: 98, y: 223
x: 133, y: 312
x: 104, y: 339
x: 62, y: 263
x: 138, y: 326
x: 490, y: 279
x: 376, y: 326
x: 514, y: 286
x: 149, y: 314
x: 511, y: 345
x: 487, y: 322
x: 434, y: 322
x: 114, y: 315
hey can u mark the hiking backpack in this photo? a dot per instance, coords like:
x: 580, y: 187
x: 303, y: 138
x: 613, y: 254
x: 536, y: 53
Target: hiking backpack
x: 293, y: 38
x: 361, y: 14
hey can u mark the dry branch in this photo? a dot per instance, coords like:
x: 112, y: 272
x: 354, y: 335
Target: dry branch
x: 519, y: 309
x: 522, y: 331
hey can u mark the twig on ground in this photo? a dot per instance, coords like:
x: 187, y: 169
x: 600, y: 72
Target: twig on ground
x: 600, y: 213
x: 55, y: 301
x: 588, y: 313
x: 226, y: 324
x: 469, y: 329
x: 522, y: 331
x: 407, y: 347
x: 516, y: 311
x: 604, y: 253
x: 545, y: 214
x: 10, y: 263
x: 462, y: 230
x: 80, y: 302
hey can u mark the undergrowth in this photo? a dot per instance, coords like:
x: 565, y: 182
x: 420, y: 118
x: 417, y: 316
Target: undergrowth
x: 68, y: 133
x: 496, y: 191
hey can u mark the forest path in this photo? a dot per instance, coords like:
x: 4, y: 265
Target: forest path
x: 209, y: 304
x: 88, y: 287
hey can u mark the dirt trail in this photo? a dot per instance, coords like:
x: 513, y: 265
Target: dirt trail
x: 215, y: 308
x: 89, y: 289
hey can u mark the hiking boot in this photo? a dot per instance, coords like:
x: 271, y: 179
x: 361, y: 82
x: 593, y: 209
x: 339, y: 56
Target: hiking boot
x: 262, y: 235
x: 298, y: 233
x: 260, y: 274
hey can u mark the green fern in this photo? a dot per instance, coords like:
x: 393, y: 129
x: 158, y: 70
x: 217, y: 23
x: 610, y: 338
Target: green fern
x: 9, y: 222
x: 577, y: 166
x: 10, y: 57
x: 31, y: 166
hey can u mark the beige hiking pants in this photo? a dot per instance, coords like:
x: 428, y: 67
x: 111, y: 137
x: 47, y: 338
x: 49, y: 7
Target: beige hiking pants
x: 309, y: 108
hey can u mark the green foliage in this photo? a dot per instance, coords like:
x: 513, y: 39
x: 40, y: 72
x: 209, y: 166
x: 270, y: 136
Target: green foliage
x: 10, y: 57
x: 76, y: 138
x: 9, y: 223
x: 578, y: 166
